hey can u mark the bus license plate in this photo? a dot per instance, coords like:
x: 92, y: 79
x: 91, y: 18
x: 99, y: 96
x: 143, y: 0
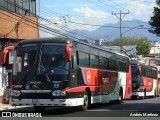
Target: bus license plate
x: 35, y: 101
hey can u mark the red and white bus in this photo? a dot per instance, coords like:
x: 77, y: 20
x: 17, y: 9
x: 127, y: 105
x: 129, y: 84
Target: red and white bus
x: 60, y: 72
x: 144, y: 81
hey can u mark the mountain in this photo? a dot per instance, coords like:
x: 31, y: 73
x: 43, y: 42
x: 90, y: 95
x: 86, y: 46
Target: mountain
x: 111, y: 33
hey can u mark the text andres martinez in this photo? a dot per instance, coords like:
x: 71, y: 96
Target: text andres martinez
x: 144, y: 114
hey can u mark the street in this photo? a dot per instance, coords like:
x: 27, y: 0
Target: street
x: 148, y: 106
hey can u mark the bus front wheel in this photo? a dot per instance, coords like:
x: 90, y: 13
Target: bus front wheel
x: 85, y: 102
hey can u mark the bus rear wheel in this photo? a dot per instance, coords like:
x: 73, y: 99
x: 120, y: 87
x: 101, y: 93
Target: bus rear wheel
x: 120, y: 98
x: 85, y: 102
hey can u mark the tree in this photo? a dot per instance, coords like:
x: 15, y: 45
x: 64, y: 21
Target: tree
x: 158, y: 2
x: 155, y: 20
x: 143, y: 47
x: 143, y: 44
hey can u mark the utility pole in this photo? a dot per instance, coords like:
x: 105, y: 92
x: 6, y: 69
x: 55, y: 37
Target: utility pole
x: 16, y: 28
x: 120, y: 16
x: 39, y: 11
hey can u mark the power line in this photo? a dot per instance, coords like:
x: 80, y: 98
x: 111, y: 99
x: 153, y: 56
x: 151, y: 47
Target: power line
x: 64, y: 28
x: 99, y: 25
x: 118, y: 5
x: 107, y: 5
x: 96, y: 4
x: 35, y: 23
x: 56, y: 31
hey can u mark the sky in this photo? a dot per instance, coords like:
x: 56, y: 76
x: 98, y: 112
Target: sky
x: 95, y: 12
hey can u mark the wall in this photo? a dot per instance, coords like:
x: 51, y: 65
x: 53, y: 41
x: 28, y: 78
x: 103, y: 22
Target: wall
x: 9, y: 29
x: 26, y: 28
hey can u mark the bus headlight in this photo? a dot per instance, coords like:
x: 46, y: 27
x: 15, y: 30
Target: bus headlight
x: 16, y: 93
x: 59, y: 93
x: 63, y: 93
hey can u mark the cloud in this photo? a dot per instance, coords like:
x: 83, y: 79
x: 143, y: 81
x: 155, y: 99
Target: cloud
x: 95, y: 17
x: 140, y: 10
x: 88, y: 12
x: 137, y: 10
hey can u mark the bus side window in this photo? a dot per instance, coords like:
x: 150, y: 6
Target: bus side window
x: 94, y: 61
x: 125, y: 69
x: 102, y: 62
x: 116, y: 65
x: 120, y: 66
x: 107, y: 63
x: 83, y: 59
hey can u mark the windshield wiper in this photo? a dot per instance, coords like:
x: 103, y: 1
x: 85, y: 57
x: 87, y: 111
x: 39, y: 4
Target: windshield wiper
x: 40, y: 65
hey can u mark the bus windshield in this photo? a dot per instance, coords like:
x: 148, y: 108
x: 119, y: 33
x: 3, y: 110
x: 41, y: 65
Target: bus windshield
x: 26, y: 57
x: 52, y: 60
x: 41, y: 59
x: 41, y: 66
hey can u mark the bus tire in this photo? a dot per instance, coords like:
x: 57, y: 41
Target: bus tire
x: 85, y: 102
x: 39, y: 108
x: 144, y: 94
x: 120, y: 98
x: 134, y: 97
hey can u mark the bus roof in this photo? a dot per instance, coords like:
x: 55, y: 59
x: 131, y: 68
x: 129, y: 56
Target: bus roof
x: 65, y: 40
x: 43, y: 40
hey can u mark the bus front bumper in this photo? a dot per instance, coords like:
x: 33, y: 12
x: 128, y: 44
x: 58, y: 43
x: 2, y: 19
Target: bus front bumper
x: 137, y: 94
x: 48, y: 102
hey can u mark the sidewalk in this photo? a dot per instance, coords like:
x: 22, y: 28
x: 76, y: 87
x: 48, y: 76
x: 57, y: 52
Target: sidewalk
x: 8, y: 107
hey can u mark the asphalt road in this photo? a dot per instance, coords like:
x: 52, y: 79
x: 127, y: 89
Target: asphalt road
x: 145, y: 107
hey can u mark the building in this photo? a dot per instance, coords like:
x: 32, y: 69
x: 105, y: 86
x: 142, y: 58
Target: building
x: 18, y: 21
x: 155, y: 49
x: 128, y: 50
x: 102, y: 42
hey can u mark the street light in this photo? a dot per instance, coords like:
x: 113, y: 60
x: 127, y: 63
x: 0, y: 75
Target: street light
x: 121, y: 47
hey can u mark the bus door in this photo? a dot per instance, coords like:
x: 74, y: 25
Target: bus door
x: 137, y: 79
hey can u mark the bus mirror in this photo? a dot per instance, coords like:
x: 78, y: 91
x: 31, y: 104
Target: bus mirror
x: 68, y: 52
x: 139, y: 70
x: 5, y: 52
